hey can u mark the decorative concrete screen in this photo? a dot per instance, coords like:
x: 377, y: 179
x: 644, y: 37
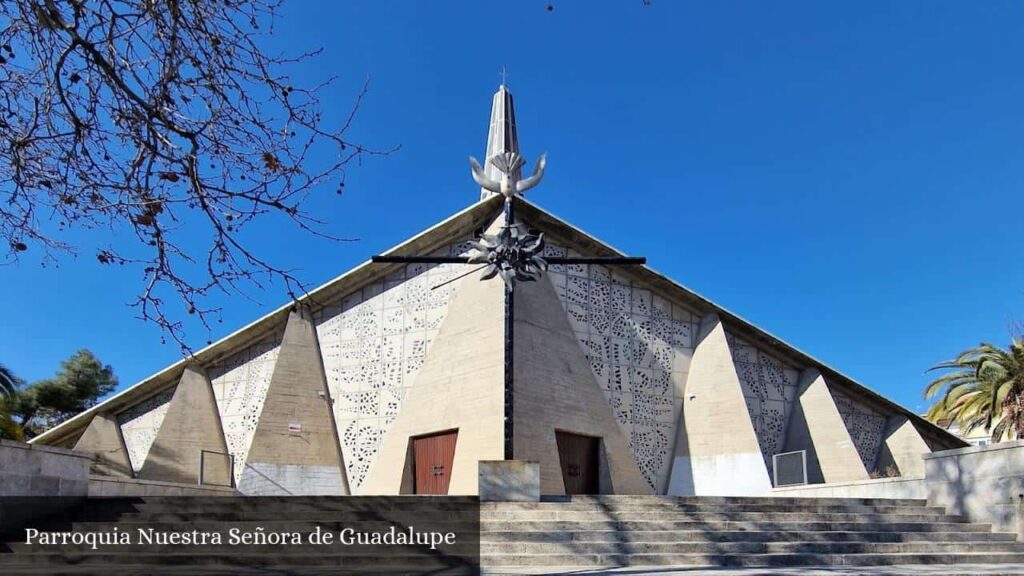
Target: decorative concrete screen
x: 373, y: 344
x: 639, y: 345
x: 864, y: 425
x: 240, y: 386
x: 140, y: 423
x: 769, y: 387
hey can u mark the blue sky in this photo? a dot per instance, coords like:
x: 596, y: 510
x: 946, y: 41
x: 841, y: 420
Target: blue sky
x: 846, y: 176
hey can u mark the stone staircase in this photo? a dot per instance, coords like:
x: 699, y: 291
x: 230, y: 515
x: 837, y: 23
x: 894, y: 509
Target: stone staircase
x: 582, y: 532
x: 607, y: 531
x: 298, y: 514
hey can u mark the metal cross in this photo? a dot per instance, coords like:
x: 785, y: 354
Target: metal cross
x: 511, y: 254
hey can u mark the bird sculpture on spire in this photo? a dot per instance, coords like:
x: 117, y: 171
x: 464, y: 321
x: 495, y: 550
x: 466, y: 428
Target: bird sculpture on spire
x: 508, y: 163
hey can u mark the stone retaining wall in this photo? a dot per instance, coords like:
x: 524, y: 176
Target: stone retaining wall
x: 900, y: 488
x: 36, y: 470
x: 984, y: 483
x: 119, y: 486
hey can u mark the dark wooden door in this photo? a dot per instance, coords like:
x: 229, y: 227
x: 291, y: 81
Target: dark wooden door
x: 579, y: 457
x: 432, y: 464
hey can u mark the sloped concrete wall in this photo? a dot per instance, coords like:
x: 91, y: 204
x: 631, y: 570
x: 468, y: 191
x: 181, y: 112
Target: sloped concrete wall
x: 460, y: 386
x: 903, y: 448
x: 295, y: 447
x: 140, y: 424
x: 191, y: 426
x: 817, y: 427
x: 555, y: 389
x: 102, y: 439
x: 639, y: 343
x: 722, y: 456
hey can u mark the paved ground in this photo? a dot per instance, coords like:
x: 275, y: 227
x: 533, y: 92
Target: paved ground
x: 916, y: 570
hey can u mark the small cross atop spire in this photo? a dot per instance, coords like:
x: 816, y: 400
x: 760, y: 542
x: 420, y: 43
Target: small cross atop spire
x: 501, y: 133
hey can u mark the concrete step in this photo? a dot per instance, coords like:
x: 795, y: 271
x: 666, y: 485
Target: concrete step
x: 609, y: 498
x: 583, y: 559
x: 225, y: 547
x: 628, y: 546
x: 602, y: 535
x: 279, y: 525
x: 741, y: 536
x: 371, y: 561
x: 781, y: 516
x: 581, y: 531
x: 256, y: 515
x: 376, y: 502
x: 781, y: 506
x: 425, y: 562
x: 525, y: 516
x: 553, y: 526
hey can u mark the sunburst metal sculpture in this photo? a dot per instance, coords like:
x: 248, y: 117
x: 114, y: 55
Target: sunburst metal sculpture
x: 512, y: 254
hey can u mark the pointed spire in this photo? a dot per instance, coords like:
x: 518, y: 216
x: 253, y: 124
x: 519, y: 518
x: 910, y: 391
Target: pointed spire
x: 501, y: 135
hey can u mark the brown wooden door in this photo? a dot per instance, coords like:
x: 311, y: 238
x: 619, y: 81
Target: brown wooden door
x: 432, y: 464
x: 579, y: 457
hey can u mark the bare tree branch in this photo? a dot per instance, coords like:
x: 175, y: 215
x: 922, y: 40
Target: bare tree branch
x: 162, y: 118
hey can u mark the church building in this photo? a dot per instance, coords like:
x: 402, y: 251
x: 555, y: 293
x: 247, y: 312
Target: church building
x: 402, y: 374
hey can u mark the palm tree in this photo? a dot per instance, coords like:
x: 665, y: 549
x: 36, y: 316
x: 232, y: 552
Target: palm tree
x: 8, y: 381
x: 9, y: 384
x: 9, y: 429
x: 984, y: 389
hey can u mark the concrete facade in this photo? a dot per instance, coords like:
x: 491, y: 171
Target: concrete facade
x: 374, y: 342
x: 555, y: 389
x: 638, y: 342
x: 720, y: 454
x: 140, y: 423
x: 322, y: 395
x: 902, y: 449
x: 817, y: 427
x: 459, y: 387
x: 240, y: 382
x: 295, y: 447
x: 103, y: 439
x: 191, y: 427
x: 769, y: 386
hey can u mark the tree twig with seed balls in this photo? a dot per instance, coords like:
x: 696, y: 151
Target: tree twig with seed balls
x: 159, y: 122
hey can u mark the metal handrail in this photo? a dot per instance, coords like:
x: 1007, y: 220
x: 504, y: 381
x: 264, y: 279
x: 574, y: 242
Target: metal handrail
x: 231, y: 467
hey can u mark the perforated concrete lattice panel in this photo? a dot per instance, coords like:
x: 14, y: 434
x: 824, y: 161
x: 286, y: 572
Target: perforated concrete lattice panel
x: 373, y: 344
x: 769, y: 387
x: 240, y: 387
x: 140, y: 424
x: 639, y: 345
x: 864, y: 425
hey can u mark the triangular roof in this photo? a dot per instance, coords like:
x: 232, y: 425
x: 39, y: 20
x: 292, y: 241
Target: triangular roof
x: 463, y: 223
x: 555, y: 227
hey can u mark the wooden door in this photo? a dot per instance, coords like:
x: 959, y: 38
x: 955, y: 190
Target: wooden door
x: 432, y: 462
x: 580, y: 462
